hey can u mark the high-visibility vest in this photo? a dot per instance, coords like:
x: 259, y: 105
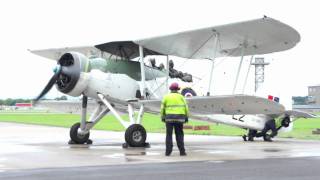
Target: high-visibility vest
x: 174, y: 108
x: 278, y: 122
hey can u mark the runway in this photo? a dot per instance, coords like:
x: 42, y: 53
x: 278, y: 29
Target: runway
x: 30, y: 151
x: 262, y: 169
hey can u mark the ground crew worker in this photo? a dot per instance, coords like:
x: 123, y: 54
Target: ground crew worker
x: 174, y: 112
x: 272, y: 124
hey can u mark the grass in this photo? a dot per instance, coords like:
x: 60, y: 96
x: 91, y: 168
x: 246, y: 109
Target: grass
x: 151, y: 122
x: 302, y: 128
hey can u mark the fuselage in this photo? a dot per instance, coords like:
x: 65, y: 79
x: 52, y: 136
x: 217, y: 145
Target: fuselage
x: 121, y: 80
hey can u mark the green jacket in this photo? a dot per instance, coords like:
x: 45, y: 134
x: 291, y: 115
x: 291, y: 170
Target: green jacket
x: 278, y: 122
x: 174, y: 108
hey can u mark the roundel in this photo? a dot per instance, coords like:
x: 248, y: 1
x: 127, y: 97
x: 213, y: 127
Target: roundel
x: 188, y: 92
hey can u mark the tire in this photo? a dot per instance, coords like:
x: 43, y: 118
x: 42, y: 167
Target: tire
x: 188, y: 92
x: 136, y: 135
x: 75, y: 137
x: 285, y: 122
x: 267, y: 137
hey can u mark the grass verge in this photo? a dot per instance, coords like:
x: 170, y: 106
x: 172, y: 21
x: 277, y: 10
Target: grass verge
x: 302, y: 128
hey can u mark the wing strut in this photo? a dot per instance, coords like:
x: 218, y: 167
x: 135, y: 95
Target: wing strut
x: 245, y: 81
x: 143, y: 76
x: 168, y: 70
x: 214, y: 56
x: 239, y: 68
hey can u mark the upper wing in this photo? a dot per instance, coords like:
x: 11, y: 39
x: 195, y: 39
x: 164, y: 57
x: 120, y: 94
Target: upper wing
x: 56, y: 53
x: 260, y: 36
x: 123, y: 49
x: 230, y: 105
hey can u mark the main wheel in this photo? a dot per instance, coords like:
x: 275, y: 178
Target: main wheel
x: 136, y: 135
x: 267, y: 138
x: 78, y: 138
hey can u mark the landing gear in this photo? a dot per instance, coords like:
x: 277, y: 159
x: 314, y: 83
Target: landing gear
x: 77, y: 138
x: 267, y: 138
x: 136, y: 136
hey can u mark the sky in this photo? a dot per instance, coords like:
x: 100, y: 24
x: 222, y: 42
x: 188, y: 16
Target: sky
x: 42, y: 24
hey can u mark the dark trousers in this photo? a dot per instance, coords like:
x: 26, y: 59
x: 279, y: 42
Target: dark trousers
x: 251, y: 134
x: 178, y: 129
x: 270, y: 125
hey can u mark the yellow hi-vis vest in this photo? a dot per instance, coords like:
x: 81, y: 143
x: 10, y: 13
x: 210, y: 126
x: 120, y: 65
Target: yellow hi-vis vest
x: 174, y: 108
x: 278, y: 122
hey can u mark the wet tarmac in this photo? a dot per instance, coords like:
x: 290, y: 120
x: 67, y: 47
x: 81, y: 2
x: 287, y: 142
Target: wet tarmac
x: 32, y: 147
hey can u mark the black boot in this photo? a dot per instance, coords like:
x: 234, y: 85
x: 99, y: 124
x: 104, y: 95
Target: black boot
x: 244, y: 137
x: 250, y: 138
x: 168, y: 153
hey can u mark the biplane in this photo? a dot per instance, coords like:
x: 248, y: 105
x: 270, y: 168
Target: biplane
x: 115, y: 75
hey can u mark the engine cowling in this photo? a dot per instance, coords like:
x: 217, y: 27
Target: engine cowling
x: 73, y: 78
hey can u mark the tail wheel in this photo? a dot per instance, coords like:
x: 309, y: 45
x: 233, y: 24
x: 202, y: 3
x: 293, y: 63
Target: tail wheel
x: 76, y: 137
x: 188, y: 92
x: 136, y: 135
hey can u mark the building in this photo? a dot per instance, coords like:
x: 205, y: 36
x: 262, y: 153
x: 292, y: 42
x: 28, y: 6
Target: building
x: 23, y: 105
x: 310, y: 103
x: 314, y: 95
x: 66, y: 106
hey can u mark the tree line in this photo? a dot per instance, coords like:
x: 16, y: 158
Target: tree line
x: 12, y: 102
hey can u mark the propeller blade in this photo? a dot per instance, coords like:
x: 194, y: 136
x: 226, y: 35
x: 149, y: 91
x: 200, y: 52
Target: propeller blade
x: 48, y: 86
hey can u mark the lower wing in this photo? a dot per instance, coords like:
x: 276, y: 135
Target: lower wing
x: 230, y: 105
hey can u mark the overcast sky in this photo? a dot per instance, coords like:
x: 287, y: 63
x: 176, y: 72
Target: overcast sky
x: 40, y: 24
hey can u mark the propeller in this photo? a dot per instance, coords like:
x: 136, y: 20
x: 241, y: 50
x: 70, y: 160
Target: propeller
x: 66, y: 74
x: 50, y: 84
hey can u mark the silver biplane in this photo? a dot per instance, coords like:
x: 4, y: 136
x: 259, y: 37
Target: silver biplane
x: 106, y: 73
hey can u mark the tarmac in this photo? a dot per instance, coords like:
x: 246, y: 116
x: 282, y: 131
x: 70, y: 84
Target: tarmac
x: 33, y: 147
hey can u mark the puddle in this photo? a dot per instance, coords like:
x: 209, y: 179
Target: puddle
x: 12, y: 149
x: 79, y: 146
x: 219, y: 152
x: 136, y: 154
x: 306, y: 154
x: 215, y: 162
x: 272, y: 150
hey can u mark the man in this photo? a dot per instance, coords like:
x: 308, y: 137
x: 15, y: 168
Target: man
x: 272, y: 124
x: 172, y: 72
x: 153, y: 62
x: 174, y: 112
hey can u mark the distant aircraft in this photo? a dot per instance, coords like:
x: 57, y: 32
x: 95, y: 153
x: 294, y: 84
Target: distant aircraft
x: 106, y: 72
